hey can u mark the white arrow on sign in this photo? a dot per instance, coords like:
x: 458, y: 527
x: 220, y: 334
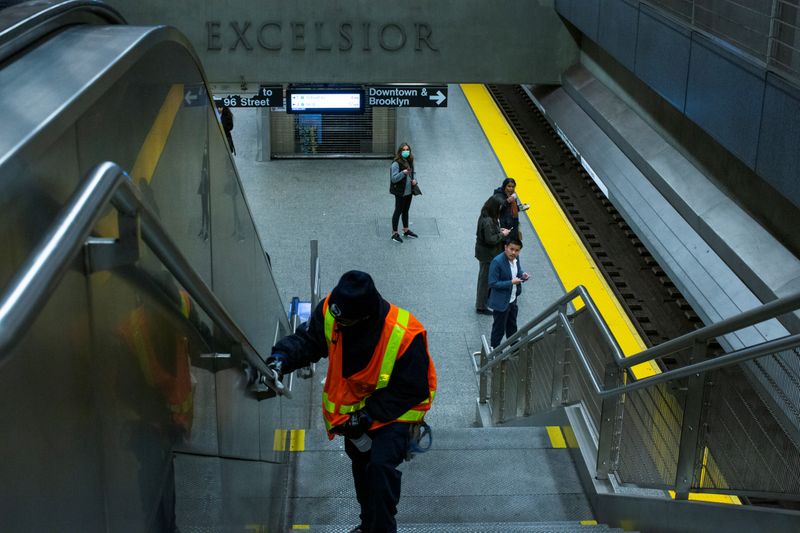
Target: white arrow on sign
x: 189, y: 97
x: 438, y: 97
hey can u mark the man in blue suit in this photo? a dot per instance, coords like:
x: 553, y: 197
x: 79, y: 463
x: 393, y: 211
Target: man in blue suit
x: 505, y: 285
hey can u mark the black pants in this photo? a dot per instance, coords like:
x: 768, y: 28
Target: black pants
x: 482, y: 293
x: 376, y: 477
x: 401, y: 206
x: 505, y: 323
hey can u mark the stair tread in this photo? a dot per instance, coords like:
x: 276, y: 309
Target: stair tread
x: 481, y: 527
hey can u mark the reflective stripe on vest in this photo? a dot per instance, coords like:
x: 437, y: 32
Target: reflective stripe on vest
x: 392, y: 347
x: 412, y: 415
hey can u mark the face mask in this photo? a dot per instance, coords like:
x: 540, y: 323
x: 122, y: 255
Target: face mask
x: 405, y: 153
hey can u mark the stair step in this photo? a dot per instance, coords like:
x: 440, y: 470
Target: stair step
x: 482, y: 527
x: 471, y: 475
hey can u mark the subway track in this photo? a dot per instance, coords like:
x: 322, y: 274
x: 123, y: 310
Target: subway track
x: 655, y: 306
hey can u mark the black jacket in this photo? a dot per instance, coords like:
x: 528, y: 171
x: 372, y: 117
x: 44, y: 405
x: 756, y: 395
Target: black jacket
x: 488, y: 239
x: 507, y: 219
x: 408, y: 384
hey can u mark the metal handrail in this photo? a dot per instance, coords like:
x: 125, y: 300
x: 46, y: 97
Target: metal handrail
x: 315, y: 275
x: 748, y: 318
x: 751, y: 317
x: 38, y: 276
x: 532, y: 328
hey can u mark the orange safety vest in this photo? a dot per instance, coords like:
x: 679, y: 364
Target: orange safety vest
x: 176, y: 387
x: 342, y: 396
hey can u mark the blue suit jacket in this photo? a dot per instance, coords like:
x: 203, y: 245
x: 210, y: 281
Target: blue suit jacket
x: 500, y: 285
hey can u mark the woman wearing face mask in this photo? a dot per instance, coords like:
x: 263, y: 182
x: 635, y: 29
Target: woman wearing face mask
x: 401, y: 179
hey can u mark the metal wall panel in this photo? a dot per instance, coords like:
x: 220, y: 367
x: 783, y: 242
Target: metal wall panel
x: 48, y: 411
x: 724, y: 96
x: 243, y: 282
x: 103, y: 385
x: 662, y: 56
x: 778, y: 157
x: 617, y: 30
x: 586, y: 16
x: 564, y: 8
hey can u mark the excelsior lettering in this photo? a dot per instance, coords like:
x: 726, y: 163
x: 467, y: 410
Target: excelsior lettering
x: 296, y: 36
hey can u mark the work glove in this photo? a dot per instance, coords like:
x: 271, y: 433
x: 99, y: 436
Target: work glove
x: 276, y: 362
x: 355, y: 426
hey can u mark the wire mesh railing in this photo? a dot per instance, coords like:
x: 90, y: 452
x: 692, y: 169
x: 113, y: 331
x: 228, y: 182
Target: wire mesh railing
x: 703, y: 427
x: 767, y: 30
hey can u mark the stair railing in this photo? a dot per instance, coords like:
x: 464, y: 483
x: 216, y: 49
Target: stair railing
x: 667, y: 416
x: 28, y: 291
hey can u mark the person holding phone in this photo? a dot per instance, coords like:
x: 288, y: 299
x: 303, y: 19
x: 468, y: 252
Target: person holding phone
x: 506, y: 277
x: 489, y: 238
x: 510, y: 206
x: 401, y: 179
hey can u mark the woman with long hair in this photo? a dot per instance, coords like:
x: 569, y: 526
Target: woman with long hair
x: 489, y: 237
x: 401, y: 179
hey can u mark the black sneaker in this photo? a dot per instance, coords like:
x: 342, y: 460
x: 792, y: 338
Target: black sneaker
x: 396, y: 238
x: 408, y: 234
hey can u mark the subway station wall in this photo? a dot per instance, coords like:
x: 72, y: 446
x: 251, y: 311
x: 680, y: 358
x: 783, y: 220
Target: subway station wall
x: 752, y: 113
x: 363, y: 41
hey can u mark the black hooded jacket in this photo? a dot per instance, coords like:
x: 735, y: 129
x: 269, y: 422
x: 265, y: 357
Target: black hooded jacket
x: 408, y: 384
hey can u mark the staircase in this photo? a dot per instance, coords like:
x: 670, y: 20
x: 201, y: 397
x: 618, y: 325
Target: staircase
x: 505, y: 479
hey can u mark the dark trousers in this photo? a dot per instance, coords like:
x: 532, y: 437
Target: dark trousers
x: 376, y: 477
x: 505, y: 323
x: 483, y: 285
x: 401, y: 206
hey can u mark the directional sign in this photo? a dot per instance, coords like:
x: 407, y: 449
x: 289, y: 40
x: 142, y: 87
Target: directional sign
x: 273, y: 92
x: 267, y: 96
x: 407, y: 95
x: 194, y: 95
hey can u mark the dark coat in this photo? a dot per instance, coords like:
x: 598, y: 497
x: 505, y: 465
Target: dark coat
x: 408, y: 384
x: 488, y: 239
x: 507, y: 219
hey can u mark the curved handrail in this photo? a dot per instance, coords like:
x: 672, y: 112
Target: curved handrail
x: 29, y: 289
x: 23, y: 24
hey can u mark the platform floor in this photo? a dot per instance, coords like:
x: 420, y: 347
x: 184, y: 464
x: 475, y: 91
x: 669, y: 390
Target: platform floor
x: 345, y: 204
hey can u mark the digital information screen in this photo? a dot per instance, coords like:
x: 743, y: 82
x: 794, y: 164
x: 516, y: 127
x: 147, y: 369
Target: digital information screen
x: 324, y: 101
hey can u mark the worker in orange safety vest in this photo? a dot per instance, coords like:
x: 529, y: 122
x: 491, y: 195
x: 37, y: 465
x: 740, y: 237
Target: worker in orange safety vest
x: 380, y: 383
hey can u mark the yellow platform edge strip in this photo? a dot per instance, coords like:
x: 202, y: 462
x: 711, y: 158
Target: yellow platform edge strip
x: 571, y: 261
x: 588, y: 522
x: 556, y: 437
